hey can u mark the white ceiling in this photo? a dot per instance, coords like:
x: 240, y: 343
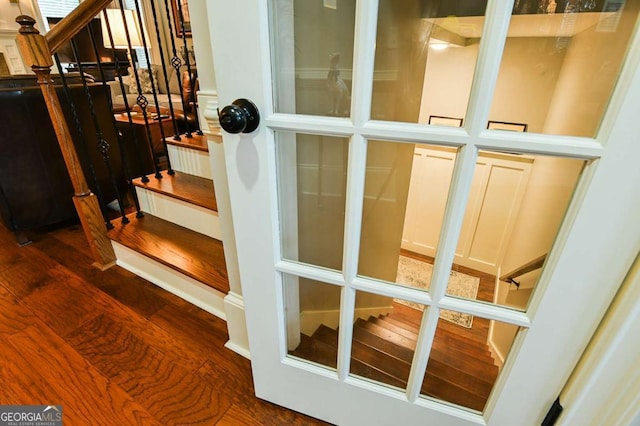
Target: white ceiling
x: 543, y: 25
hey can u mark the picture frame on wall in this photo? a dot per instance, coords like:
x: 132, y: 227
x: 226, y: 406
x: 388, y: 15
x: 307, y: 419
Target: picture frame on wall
x: 504, y: 125
x: 185, y: 13
x: 439, y: 120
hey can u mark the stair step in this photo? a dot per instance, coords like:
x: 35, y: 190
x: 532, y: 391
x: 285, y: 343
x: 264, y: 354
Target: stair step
x: 457, y: 343
x: 477, y: 376
x: 182, y: 186
x: 444, y: 339
x: 188, y: 252
x: 387, y: 334
x: 197, y: 142
x: 477, y: 334
x: 314, y: 350
x: 409, y: 334
x: 371, y: 357
x: 191, y: 155
x: 439, y: 388
x: 183, y: 199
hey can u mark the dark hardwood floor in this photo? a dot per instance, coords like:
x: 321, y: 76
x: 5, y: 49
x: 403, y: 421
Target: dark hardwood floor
x: 113, y: 349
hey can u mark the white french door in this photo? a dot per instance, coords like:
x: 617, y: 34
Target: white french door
x: 346, y: 90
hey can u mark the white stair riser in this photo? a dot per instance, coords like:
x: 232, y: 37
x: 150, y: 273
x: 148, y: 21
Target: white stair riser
x: 193, y: 291
x: 180, y: 212
x: 190, y: 161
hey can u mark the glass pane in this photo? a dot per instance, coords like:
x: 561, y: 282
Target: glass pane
x: 313, y: 315
x: 406, y: 190
x: 465, y: 362
x: 425, y: 59
x: 312, y: 180
x: 313, y: 56
x: 561, y: 62
x: 385, y: 332
x: 515, y: 207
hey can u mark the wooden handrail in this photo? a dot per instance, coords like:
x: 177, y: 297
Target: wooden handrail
x: 527, y: 267
x: 36, y: 52
x: 70, y: 25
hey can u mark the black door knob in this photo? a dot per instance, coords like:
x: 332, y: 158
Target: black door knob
x: 240, y: 117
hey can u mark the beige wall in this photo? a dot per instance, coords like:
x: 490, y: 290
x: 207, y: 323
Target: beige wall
x: 9, y: 12
x: 588, y: 75
x: 550, y: 187
x: 528, y: 72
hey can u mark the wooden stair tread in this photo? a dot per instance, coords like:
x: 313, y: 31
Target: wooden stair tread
x: 314, y: 350
x: 196, y: 142
x: 386, y: 334
x: 182, y: 186
x: 437, y: 387
x: 317, y: 349
x: 477, y: 376
x: 409, y: 334
x: 453, y: 341
x: 186, y: 251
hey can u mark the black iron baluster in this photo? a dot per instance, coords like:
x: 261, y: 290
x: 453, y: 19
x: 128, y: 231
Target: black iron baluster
x: 125, y: 166
x: 136, y: 142
x: 141, y: 100
x: 84, y: 150
x: 176, y: 133
x: 176, y: 63
x: 103, y: 144
x: 188, y: 64
x: 153, y: 88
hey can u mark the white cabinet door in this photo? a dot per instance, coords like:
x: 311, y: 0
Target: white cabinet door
x: 318, y: 194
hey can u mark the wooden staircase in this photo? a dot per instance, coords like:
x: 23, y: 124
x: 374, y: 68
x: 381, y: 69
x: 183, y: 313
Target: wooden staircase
x: 177, y: 243
x: 461, y: 369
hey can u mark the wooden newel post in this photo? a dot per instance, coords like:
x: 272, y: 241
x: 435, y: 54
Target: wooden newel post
x: 35, y: 52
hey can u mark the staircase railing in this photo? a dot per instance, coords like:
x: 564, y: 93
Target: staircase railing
x: 37, y: 51
x: 524, y: 269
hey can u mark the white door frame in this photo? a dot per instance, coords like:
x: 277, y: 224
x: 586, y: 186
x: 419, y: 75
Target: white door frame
x: 620, y: 225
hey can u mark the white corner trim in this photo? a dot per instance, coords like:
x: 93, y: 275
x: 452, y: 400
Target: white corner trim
x: 208, y: 101
x: 236, y: 324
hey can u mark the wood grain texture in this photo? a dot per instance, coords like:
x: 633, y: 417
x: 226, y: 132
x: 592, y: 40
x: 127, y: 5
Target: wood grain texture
x: 193, y: 254
x: 33, y: 47
x: 196, y: 142
x: 133, y: 355
x: 36, y: 53
x: 182, y: 186
x: 95, y: 230
x: 48, y: 371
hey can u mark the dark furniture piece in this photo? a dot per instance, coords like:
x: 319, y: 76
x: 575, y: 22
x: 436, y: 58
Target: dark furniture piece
x: 35, y: 189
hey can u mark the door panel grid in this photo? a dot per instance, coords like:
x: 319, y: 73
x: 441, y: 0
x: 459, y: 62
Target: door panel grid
x: 360, y: 129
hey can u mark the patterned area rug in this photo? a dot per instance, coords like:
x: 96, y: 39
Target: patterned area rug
x: 417, y: 274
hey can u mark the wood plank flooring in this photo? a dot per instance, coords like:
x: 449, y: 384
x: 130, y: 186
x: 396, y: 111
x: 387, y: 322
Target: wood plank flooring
x: 113, y: 349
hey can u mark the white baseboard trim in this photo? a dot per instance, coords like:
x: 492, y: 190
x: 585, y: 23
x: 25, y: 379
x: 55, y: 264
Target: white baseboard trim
x: 193, y: 291
x: 311, y: 320
x: 495, y: 353
x: 236, y: 324
x: 238, y: 349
